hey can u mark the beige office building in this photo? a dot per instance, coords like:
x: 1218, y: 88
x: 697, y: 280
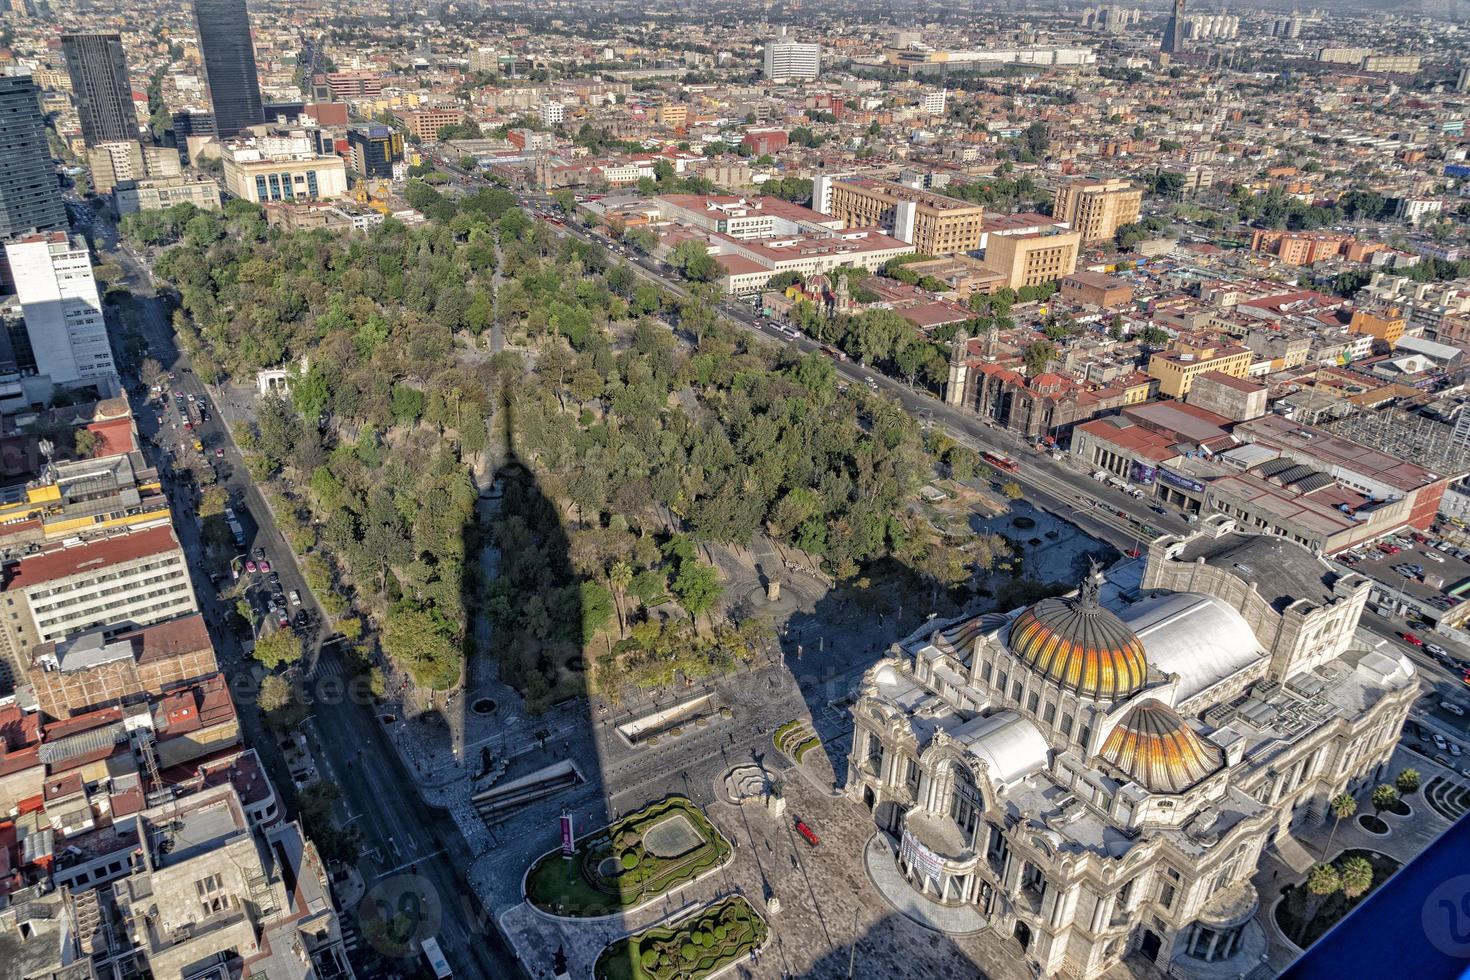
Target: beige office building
x: 115, y: 162
x: 1031, y: 260
x: 160, y: 193
x: 1097, y: 208
x: 932, y: 223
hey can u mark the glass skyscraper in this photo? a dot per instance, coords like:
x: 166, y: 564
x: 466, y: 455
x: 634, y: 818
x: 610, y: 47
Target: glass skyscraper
x: 229, y: 64
x: 30, y: 196
x: 99, y: 79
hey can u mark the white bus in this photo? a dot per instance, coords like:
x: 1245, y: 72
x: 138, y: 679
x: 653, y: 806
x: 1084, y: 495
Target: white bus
x: 436, y: 959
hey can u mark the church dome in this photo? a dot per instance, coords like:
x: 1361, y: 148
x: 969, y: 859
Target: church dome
x: 1081, y: 646
x: 1158, y: 750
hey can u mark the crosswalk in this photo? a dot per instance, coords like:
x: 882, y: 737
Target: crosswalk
x: 350, y: 934
x: 325, y: 668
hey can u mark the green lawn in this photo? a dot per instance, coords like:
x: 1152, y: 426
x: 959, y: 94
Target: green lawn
x: 586, y: 888
x: 698, y: 946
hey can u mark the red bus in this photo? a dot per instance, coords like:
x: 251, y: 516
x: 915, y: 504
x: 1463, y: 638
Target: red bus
x: 805, y: 831
x: 1000, y: 461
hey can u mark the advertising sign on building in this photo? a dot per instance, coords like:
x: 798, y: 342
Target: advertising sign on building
x: 1141, y: 473
x: 921, y: 862
x: 1182, y: 482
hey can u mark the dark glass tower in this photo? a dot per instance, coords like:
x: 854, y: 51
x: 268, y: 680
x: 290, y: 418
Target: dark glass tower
x: 1174, y: 33
x: 30, y: 195
x: 99, y: 79
x: 229, y: 64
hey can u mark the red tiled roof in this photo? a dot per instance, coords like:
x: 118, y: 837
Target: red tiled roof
x: 62, y: 562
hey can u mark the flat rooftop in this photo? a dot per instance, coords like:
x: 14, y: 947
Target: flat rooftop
x: 1315, y: 443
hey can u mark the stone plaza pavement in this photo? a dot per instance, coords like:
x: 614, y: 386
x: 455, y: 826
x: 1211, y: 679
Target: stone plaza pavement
x: 827, y: 903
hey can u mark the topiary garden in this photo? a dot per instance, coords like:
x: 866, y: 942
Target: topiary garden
x: 618, y: 867
x: 711, y: 939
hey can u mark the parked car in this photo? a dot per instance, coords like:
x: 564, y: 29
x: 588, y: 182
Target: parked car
x: 250, y: 566
x: 1439, y: 742
x: 1454, y: 748
x: 265, y: 566
x: 295, y: 597
x: 1435, y: 650
x: 1411, y: 639
x: 282, y: 620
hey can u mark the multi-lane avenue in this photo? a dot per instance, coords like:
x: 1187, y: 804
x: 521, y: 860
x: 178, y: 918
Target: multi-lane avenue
x: 411, y: 854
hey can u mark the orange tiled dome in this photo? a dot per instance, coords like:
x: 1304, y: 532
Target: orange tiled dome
x: 1080, y: 645
x: 1158, y: 749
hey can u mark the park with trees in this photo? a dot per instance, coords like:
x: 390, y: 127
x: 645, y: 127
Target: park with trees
x: 628, y: 428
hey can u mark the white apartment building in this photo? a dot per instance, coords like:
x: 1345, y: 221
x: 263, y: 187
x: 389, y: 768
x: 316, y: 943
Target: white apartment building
x: 788, y: 61
x: 934, y: 103
x: 552, y: 113
x: 63, y: 312
x: 119, y: 582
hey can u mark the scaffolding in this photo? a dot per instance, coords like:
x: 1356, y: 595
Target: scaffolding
x: 1436, y: 446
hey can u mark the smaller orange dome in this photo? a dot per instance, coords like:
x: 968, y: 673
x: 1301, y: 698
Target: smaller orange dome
x: 1158, y: 750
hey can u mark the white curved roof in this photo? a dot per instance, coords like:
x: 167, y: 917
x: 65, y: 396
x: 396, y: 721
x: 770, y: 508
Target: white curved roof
x: 1011, y: 746
x: 1199, y: 637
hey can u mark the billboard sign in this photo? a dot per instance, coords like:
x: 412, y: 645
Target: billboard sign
x: 1182, y: 482
x: 566, y: 833
x: 1141, y: 473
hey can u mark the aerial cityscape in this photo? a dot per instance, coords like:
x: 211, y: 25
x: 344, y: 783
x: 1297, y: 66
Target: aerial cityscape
x: 767, y: 490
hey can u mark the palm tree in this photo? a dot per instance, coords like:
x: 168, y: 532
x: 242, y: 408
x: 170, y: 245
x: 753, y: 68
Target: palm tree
x: 1407, y: 781
x: 1321, y: 883
x: 620, y: 577
x: 1343, y: 806
x: 1357, y: 876
x: 1383, y: 798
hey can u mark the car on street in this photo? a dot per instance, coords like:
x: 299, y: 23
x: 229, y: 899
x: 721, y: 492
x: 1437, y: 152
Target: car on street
x: 1454, y: 748
x: 1452, y: 708
x: 1439, y: 742
x: 1435, y: 650
x: 1411, y: 639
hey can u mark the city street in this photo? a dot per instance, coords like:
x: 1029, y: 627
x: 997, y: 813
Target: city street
x: 404, y: 843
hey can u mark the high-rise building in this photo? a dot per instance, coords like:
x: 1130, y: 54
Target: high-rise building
x: 1032, y: 260
x: 792, y: 61
x: 375, y: 148
x: 1174, y: 32
x: 229, y: 64
x: 30, y: 197
x: 63, y: 313
x: 1462, y: 81
x: 99, y: 80
x: 1096, y: 208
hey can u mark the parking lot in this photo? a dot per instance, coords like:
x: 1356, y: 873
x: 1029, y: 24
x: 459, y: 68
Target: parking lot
x: 1414, y: 570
